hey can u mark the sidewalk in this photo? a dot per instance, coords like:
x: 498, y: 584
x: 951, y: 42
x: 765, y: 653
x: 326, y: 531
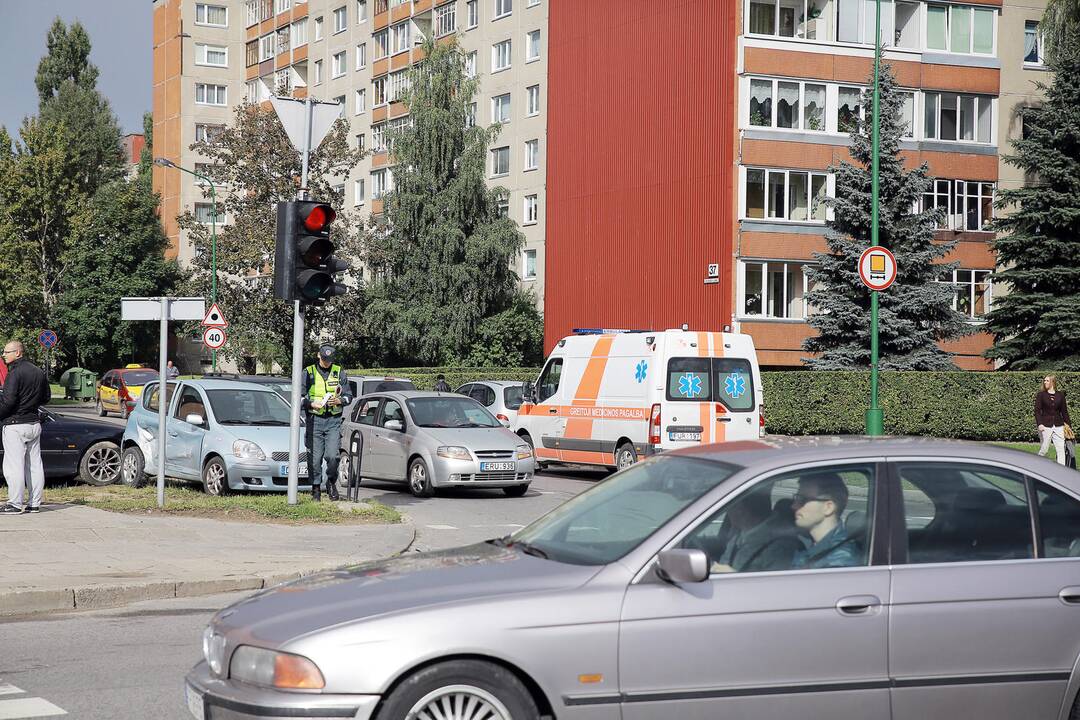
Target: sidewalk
x: 75, y: 557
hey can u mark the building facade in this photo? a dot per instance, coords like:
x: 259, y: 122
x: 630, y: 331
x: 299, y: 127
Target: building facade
x: 211, y: 56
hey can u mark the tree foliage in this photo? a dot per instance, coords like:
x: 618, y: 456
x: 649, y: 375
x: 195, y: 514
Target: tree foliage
x: 67, y: 60
x: 916, y: 312
x: 1036, y: 324
x: 254, y: 165
x: 441, y: 255
x: 1060, y: 27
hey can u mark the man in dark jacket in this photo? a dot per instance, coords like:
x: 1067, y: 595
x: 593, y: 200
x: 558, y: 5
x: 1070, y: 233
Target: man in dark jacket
x: 440, y: 384
x: 25, y: 390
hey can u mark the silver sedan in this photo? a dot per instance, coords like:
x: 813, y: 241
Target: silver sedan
x: 432, y: 440
x: 822, y: 579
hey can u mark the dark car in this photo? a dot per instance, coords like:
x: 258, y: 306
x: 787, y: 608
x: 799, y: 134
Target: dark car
x: 281, y: 385
x: 76, y: 447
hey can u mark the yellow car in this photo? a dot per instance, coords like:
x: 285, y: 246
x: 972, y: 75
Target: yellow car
x: 119, y: 390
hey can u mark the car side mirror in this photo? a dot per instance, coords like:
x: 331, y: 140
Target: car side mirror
x: 394, y: 425
x: 194, y: 420
x: 682, y: 565
x: 528, y: 391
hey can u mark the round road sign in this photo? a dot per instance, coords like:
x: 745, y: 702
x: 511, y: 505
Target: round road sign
x: 877, y: 268
x: 214, y: 337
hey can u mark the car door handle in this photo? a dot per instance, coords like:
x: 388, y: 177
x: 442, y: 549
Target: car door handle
x: 553, y: 411
x: 1070, y: 595
x: 723, y: 419
x: 857, y: 604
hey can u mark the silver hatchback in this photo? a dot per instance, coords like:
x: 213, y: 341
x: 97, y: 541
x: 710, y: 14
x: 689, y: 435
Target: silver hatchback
x: 818, y: 578
x: 432, y: 440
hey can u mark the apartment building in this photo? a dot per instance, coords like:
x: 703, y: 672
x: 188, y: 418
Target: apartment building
x: 208, y: 57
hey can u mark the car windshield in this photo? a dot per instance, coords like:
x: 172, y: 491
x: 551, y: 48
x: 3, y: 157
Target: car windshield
x: 371, y: 386
x: 450, y: 412
x: 612, y: 518
x: 248, y: 407
x: 139, y: 377
x: 512, y: 397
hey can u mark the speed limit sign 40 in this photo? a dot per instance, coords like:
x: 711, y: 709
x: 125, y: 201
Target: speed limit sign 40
x: 214, y: 337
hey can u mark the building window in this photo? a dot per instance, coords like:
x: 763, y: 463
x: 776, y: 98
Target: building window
x: 252, y: 91
x: 212, y: 15
x: 532, y: 3
x: 798, y: 105
x: 500, y: 108
x: 470, y: 64
x: 470, y: 119
x: 378, y: 91
x: 774, y: 290
x: 210, y: 94
x: 378, y: 184
x: 532, y: 154
x: 361, y: 11
x: 361, y: 56
x: 282, y: 82
x: 502, y: 206
x: 500, y: 56
x: 532, y: 210
x: 360, y: 145
x: 298, y: 34
x: 283, y: 39
x: 341, y: 19
x: 960, y: 29
x: 907, y: 114
x: 500, y: 161
x: 318, y: 71
x: 318, y: 29
x: 208, y: 133
x: 1032, y: 43
x: 358, y: 192
x: 532, y: 46
x: 361, y: 101
x: 337, y: 67
x: 251, y: 53
x: 400, y: 36
x: 281, y: 6
x: 973, y: 293
x: 955, y: 117
x: 399, y: 85
x: 382, y: 44
x: 528, y: 265
x: 340, y: 102
x: 446, y: 19
x: 532, y: 100
x: 849, y: 109
x: 204, y: 213
x: 266, y: 47
x: 473, y: 11
x: 503, y: 8
x: 378, y: 140
x: 964, y: 205
x: 252, y: 13
x: 794, y: 195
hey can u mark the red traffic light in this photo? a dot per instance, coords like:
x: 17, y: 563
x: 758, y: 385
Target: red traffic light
x: 319, y: 218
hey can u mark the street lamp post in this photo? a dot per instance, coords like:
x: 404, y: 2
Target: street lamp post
x: 165, y: 162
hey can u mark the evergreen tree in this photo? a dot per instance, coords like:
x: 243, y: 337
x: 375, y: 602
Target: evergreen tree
x: 442, y: 253
x: 1037, y: 323
x: 916, y: 312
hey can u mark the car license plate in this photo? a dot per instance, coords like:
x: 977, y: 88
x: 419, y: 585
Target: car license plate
x: 194, y: 702
x: 301, y: 470
x: 685, y: 436
x: 496, y: 466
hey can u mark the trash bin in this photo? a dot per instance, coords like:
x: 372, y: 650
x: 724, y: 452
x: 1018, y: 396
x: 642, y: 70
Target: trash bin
x: 79, y: 384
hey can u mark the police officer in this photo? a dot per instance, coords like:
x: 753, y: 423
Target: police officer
x: 326, y: 393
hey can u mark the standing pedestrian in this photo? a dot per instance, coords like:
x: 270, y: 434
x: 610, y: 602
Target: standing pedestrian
x: 1052, y: 415
x: 25, y: 390
x: 326, y: 393
x: 440, y: 384
x: 171, y: 371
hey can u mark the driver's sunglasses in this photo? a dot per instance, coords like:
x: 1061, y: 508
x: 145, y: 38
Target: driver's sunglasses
x: 798, y: 499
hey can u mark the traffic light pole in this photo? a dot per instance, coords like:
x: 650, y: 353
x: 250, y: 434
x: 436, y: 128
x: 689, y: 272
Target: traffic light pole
x: 298, y: 335
x: 875, y: 421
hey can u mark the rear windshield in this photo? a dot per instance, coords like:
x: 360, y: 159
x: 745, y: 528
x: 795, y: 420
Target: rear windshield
x: 371, y: 386
x: 725, y: 380
x: 139, y: 377
x: 512, y: 397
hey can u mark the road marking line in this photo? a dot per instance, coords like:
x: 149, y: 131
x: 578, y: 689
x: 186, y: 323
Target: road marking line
x: 28, y: 708
x: 6, y: 689
x: 440, y: 527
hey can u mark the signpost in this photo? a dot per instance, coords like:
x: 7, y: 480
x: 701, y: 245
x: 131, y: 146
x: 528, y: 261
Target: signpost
x: 214, y: 337
x: 48, y: 340
x: 875, y: 420
x: 162, y: 309
x: 877, y: 270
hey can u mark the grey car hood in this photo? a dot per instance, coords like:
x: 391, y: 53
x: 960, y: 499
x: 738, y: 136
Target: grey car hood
x: 496, y: 438
x: 398, y: 584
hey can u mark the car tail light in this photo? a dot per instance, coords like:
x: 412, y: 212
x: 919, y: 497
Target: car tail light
x: 502, y: 417
x: 761, y: 419
x: 654, y: 425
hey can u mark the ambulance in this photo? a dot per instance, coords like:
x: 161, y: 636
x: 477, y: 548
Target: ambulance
x: 610, y: 398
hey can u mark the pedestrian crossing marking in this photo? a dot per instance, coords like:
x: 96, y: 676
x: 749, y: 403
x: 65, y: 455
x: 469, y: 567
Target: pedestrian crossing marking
x: 6, y: 689
x: 27, y: 707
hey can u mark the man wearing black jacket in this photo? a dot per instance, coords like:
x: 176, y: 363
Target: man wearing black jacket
x: 25, y: 390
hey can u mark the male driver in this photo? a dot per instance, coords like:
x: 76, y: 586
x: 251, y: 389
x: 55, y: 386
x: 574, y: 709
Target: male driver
x: 760, y: 540
x: 326, y: 393
x: 819, y: 507
x: 25, y: 390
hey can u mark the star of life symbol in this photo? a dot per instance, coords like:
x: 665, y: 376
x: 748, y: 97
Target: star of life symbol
x: 690, y: 385
x: 639, y: 371
x: 735, y: 385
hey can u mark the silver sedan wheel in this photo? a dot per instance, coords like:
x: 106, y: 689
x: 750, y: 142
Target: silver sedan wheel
x: 214, y: 478
x: 103, y: 464
x: 418, y: 477
x: 459, y: 702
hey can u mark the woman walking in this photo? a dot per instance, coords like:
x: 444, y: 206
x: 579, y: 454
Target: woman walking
x: 1052, y: 415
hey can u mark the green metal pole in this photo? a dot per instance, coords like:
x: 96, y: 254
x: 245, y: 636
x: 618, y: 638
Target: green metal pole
x: 875, y: 420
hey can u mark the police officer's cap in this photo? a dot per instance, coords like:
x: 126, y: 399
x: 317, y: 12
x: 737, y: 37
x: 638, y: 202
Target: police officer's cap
x: 326, y: 351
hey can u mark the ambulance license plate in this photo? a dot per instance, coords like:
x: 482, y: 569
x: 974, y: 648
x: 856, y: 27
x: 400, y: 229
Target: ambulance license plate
x: 194, y: 702
x: 497, y: 466
x: 301, y: 470
x: 685, y: 436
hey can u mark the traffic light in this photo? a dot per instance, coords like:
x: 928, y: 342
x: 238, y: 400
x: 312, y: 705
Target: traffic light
x: 304, y: 262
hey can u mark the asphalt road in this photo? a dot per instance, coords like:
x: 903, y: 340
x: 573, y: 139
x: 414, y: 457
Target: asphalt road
x: 130, y: 662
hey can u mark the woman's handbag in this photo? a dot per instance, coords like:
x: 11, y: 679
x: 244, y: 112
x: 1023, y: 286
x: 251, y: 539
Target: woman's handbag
x: 1069, y: 434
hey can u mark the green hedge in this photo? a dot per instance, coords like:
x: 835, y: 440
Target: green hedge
x: 424, y: 378
x: 967, y: 405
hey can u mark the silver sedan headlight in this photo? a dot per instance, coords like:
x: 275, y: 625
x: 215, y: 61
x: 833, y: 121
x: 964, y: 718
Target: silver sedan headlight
x: 269, y: 668
x: 213, y: 648
x: 454, y: 452
x: 247, y: 450
x: 524, y: 452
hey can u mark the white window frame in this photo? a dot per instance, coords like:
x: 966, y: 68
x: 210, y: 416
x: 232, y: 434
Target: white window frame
x: 501, y: 51
x: 529, y: 57
x: 532, y: 100
x: 502, y: 8
x: 281, y: 6
x: 361, y: 56
x: 380, y: 91
x: 936, y: 99
x: 318, y: 28
x: 318, y: 72
x: 382, y: 44
x: 470, y: 64
x: 767, y: 312
x: 399, y: 38
x: 360, y: 101
x: 958, y: 284
x: 951, y: 10
x: 532, y: 154
x: 361, y: 12
x: 530, y: 209
x: 267, y: 46
x: 358, y: 192
x: 830, y: 191
x: 222, y: 90
x: 212, y: 212
x: 398, y: 85
x: 472, y: 12
x: 298, y: 33
x: 446, y: 19
x: 495, y: 155
x: 380, y: 183
x: 1040, y: 61
x: 525, y: 253
x: 251, y: 15
x: 361, y: 141
x: 532, y: 3
x: 202, y: 50
x: 341, y: 19
x: 338, y: 64
x: 800, y: 126
x: 204, y: 131
x: 378, y: 140
x: 499, y: 103
x: 205, y: 7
